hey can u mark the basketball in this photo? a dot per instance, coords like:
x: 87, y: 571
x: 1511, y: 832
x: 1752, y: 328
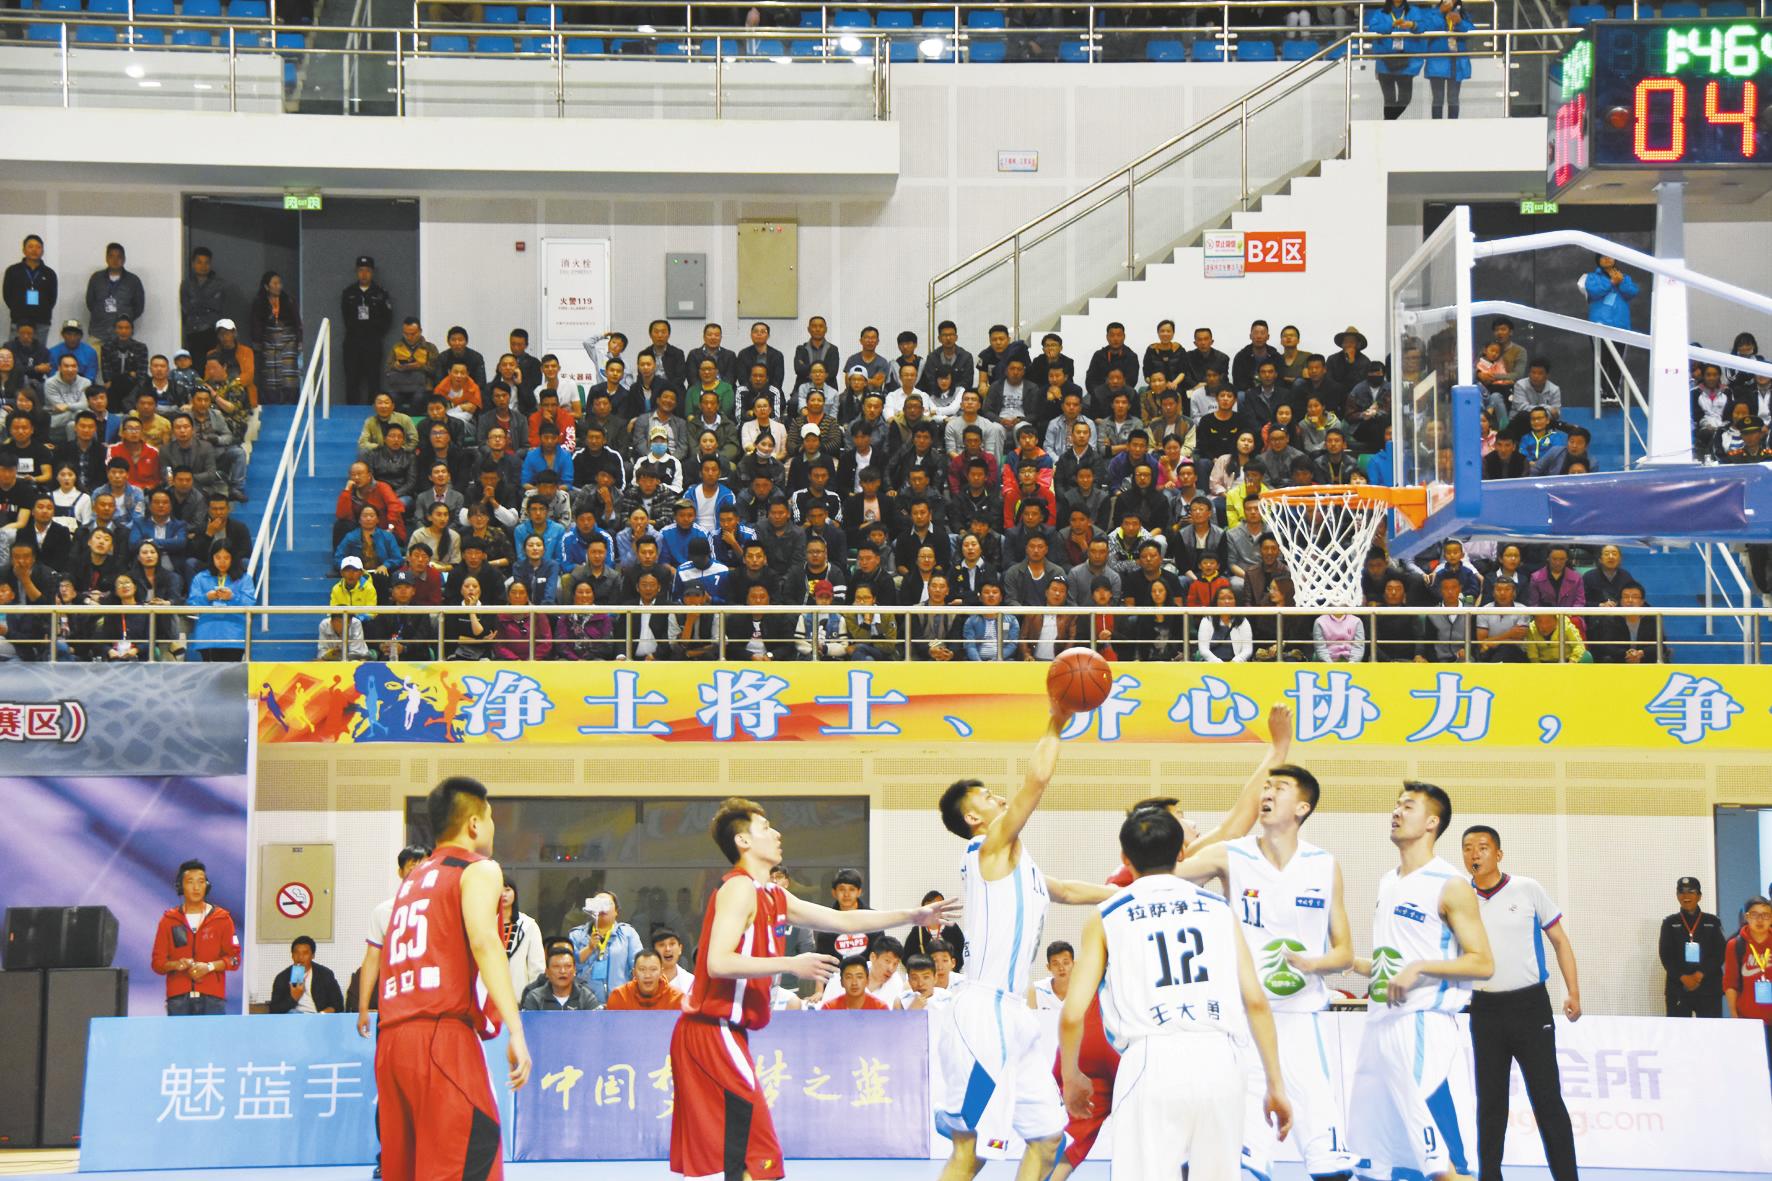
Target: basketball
x: 1079, y: 679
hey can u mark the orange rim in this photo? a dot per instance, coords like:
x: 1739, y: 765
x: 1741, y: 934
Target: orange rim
x: 1410, y: 500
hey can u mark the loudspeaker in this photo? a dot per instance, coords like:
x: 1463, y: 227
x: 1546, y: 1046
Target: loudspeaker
x: 74, y: 997
x: 60, y: 937
x: 21, y: 1059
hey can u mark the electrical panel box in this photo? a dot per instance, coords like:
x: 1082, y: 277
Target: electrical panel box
x: 768, y: 270
x: 295, y: 892
x: 686, y: 286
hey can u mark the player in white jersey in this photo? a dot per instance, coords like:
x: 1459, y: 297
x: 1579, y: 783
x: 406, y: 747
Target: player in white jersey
x: 1428, y: 943
x: 1177, y: 986
x: 987, y: 1037
x: 1287, y: 896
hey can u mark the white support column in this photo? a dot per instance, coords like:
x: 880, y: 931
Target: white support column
x: 1670, y: 413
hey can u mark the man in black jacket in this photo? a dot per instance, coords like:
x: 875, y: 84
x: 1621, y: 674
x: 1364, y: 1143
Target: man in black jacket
x: 367, y: 311
x: 304, y: 986
x: 1692, y: 953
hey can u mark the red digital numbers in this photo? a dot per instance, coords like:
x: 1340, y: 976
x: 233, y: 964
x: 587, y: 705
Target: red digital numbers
x: 1569, y: 141
x: 1647, y: 107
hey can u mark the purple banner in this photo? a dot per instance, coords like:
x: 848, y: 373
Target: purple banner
x: 601, y: 1085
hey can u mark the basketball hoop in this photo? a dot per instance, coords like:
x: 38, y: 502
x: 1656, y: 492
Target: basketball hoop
x: 1324, y: 531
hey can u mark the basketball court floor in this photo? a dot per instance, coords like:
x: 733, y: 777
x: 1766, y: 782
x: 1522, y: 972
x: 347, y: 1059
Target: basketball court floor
x: 829, y: 1170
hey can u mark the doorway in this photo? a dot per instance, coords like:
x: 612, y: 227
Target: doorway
x: 315, y: 252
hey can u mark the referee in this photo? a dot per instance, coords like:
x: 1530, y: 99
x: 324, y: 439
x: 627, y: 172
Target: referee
x: 1511, y: 1018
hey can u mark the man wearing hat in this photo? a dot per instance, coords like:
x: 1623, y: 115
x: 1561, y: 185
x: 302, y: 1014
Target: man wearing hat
x: 73, y: 344
x: 401, y: 636
x: 236, y: 359
x: 1752, y: 448
x: 352, y: 589
x: 1349, y: 365
x: 1692, y: 946
x: 367, y: 312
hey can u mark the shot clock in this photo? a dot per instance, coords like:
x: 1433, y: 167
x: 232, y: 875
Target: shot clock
x: 1663, y: 96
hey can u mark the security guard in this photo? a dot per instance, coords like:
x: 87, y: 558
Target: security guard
x: 1692, y: 946
x: 1511, y: 1019
x: 367, y: 312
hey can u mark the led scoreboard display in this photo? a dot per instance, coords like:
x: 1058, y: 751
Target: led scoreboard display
x: 1647, y: 95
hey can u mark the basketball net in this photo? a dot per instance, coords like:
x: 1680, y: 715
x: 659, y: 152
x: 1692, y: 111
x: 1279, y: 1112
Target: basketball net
x: 1325, y: 531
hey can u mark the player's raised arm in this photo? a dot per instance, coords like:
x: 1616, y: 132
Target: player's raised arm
x: 481, y: 884
x: 1241, y: 818
x: 1003, y: 835
x: 735, y: 908
x: 1208, y: 865
x: 1458, y: 906
x: 1086, y: 975
x: 1075, y: 893
x: 1267, y: 1043
x: 1340, y: 955
x: 857, y: 922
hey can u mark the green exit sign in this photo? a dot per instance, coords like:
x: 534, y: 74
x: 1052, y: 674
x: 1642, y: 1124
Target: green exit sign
x: 302, y: 202
x: 1530, y: 206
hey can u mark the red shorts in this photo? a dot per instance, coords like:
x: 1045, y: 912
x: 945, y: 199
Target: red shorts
x: 436, y: 1112
x: 720, y: 1123
x: 1100, y: 1062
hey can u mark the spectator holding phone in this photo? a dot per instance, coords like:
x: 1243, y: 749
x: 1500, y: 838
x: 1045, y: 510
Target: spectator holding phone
x: 304, y: 986
x: 605, y: 947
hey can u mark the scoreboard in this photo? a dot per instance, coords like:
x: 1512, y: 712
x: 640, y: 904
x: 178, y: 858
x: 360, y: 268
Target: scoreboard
x: 1655, y: 95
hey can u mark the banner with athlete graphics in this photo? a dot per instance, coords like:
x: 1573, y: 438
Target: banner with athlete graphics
x: 1654, y: 707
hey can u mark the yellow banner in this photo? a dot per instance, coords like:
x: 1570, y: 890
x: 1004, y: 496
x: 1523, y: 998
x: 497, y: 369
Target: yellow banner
x: 1650, y: 707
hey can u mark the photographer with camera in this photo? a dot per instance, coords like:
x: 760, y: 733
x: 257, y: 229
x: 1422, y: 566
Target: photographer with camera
x: 604, y: 946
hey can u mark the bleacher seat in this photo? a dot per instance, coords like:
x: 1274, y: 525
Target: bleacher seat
x: 1726, y: 9
x: 95, y: 35
x: 903, y: 51
x: 1165, y: 51
x: 1256, y: 51
x: 1297, y: 51
x: 895, y: 20
x: 249, y: 10
x: 770, y: 48
x: 108, y: 7
x: 499, y: 14
x: 150, y: 36
x: 44, y: 33
x: 1207, y: 50
x: 936, y: 19
x: 193, y: 38
x: 206, y: 9
x: 155, y: 9
x: 449, y: 43
x: 538, y: 14
x: 852, y: 19
x: 60, y: 6
x: 495, y: 44
x: 810, y: 20
x: 988, y: 51
x: 1680, y: 10
x: 535, y: 45
x: 248, y: 39
x: 1582, y: 15
x: 985, y: 19
x: 1073, y: 51
x: 292, y: 41
x: 583, y: 46
x: 1336, y: 53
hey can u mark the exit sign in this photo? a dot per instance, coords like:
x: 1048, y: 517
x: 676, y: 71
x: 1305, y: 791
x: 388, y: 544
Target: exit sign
x: 1529, y: 206
x: 307, y: 202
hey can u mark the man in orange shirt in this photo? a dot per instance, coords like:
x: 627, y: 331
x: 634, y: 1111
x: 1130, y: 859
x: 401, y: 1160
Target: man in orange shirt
x: 647, y: 990
x: 855, y: 993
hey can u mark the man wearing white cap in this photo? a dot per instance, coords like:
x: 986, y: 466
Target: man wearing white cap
x: 352, y: 589
x: 235, y: 357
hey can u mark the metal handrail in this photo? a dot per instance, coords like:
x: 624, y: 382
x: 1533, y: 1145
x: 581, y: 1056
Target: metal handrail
x: 316, y: 390
x: 1345, y: 52
x: 1625, y: 392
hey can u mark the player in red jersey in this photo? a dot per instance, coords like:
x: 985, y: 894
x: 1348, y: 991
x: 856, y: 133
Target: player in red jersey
x: 444, y: 965
x: 1097, y: 1059
x: 720, y: 1125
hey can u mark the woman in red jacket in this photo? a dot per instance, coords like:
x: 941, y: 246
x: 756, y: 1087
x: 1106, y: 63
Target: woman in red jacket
x: 195, y: 947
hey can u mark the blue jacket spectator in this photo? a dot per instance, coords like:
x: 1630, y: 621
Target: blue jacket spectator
x: 82, y: 352
x: 553, y: 535
x: 605, y: 951
x: 169, y: 535
x: 992, y: 637
x: 220, y: 585
x: 542, y: 579
x: 1458, y: 67
x: 1609, y: 292
x: 674, y: 542
x: 387, y: 550
x: 537, y: 459
x: 574, y: 546
x: 1384, y: 22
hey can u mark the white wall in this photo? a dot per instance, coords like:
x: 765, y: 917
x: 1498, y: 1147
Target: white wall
x: 76, y: 222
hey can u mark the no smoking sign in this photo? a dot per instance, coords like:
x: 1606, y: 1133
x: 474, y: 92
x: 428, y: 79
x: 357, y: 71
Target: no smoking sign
x: 294, y: 900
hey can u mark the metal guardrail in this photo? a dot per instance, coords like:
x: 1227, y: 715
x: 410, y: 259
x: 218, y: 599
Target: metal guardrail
x: 170, y: 642
x: 279, y: 515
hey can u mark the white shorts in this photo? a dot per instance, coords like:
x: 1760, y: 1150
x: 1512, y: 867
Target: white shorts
x: 1178, y: 1100
x: 1400, y: 1110
x: 987, y: 1059
x: 1319, y: 1127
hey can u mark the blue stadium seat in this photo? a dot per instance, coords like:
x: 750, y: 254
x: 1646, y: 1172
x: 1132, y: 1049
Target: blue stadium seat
x: 248, y: 39
x: 208, y: 9
x: 770, y: 48
x: 1582, y: 15
x: 1297, y: 51
x: 903, y: 51
x: 44, y: 33
x: 1165, y: 51
x: 538, y: 14
x: 1680, y: 10
x: 1336, y: 53
x: 60, y: 6
x: 249, y: 10
x: 988, y: 51
x: 809, y: 20
x: 583, y: 46
x: 535, y: 45
x: 495, y: 44
x: 153, y: 8
x: 1727, y: 8
x: 852, y: 19
x: 937, y: 19
x: 671, y: 49
x: 895, y: 20
x: 150, y: 36
x: 499, y: 14
x: 1256, y: 51
x: 1207, y: 50
x: 193, y: 38
x: 449, y: 43
x: 985, y: 19
x: 292, y: 41
x: 108, y: 7
x: 1073, y: 51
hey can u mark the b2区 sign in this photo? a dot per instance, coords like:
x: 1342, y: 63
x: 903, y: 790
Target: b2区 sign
x: 1273, y: 250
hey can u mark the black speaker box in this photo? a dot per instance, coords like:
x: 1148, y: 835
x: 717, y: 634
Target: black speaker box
x: 60, y: 937
x: 74, y: 996
x: 21, y: 1063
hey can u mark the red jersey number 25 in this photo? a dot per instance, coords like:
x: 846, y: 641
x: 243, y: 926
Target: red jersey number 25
x: 406, y: 938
